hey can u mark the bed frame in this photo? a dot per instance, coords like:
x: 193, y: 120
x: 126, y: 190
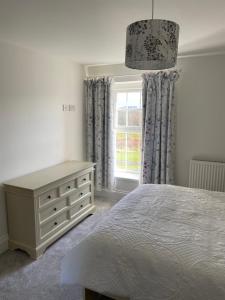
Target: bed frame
x: 91, y: 295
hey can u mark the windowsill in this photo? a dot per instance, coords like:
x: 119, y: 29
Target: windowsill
x: 124, y: 175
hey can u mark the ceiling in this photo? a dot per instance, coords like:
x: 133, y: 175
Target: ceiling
x: 93, y: 31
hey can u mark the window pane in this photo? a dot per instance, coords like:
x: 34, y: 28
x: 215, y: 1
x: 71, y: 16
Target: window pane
x: 133, y: 161
x: 134, y: 141
x: 133, y: 151
x: 121, y: 118
x: 128, y: 114
x: 121, y: 100
x: 134, y: 100
x: 120, y: 150
x: 134, y: 117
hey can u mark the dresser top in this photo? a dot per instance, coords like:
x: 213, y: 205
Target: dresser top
x: 46, y: 176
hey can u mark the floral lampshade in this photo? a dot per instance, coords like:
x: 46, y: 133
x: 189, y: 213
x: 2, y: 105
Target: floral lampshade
x: 152, y: 44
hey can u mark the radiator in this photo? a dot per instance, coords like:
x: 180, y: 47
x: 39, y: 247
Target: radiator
x: 207, y: 175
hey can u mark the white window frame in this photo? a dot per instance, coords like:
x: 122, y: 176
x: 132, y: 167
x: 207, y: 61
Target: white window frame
x: 120, y: 87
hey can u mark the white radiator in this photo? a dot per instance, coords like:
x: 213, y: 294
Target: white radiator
x: 207, y: 175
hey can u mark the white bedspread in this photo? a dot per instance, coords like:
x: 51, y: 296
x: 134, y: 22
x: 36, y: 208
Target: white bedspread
x: 159, y: 242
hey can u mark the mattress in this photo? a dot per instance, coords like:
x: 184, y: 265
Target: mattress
x: 159, y: 242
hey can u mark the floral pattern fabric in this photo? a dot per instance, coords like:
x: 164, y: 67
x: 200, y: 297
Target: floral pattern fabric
x: 158, y: 144
x: 152, y: 44
x: 98, y: 118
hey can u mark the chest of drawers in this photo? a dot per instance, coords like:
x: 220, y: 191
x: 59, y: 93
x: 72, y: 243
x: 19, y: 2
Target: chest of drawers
x: 43, y: 205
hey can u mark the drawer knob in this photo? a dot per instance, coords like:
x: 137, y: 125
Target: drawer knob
x: 55, y: 209
x: 56, y: 223
x: 81, y: 194
x: 68, y: 187
x: 49, y: 196
x: 84, y: 179
x: 81, y: 206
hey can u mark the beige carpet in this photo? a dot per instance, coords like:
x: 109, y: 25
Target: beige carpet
x: 22, y: 278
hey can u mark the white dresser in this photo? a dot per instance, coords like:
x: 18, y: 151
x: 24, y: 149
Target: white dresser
x: 43, y: 205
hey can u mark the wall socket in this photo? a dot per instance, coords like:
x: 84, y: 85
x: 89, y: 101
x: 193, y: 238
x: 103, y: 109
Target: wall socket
x: 68, y: 107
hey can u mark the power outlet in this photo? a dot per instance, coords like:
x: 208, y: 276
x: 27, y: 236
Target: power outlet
x: 68, y: 107
x: 71, y: 107
x: 65, y: 107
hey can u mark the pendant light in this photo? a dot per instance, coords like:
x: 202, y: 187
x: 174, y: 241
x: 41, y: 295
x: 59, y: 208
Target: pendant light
x: 152, y: 44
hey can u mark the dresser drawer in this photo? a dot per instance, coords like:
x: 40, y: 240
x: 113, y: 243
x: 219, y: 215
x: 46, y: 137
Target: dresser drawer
x: 81, y: 192
x: 79, y: 207
x: 83, y: 179
x: 67, y: 187
x: 53, y: 209
x: 54, y: 224
x: 48, y: 197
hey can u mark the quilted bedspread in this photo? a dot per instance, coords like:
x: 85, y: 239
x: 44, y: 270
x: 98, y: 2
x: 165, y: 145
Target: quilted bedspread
x: 159, y: 242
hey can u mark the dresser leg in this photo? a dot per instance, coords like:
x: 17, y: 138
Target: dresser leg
x: 32, y: 252
x: 35, y: 254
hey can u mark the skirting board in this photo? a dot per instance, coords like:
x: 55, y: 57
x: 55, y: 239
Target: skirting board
x: 3, y: 243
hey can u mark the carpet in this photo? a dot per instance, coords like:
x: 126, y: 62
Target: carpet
x: 22, y: 278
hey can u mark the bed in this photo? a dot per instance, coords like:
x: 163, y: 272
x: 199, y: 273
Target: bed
x: 160, y: 242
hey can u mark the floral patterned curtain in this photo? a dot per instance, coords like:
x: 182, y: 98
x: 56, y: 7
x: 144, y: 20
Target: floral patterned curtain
x: 98, y: 117
x: 158, y: 127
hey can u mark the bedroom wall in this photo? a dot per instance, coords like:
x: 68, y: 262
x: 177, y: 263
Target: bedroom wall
x: 200, y: 112
x: 200, y: 109
x: 34, y: 131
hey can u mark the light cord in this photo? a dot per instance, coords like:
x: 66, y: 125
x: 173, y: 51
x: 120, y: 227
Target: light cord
x: 152, y: 9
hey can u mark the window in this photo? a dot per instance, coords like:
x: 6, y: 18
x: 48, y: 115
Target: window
x: 127, y: 129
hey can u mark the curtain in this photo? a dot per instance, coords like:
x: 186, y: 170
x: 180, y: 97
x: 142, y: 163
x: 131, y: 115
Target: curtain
x: 98, y: 120
x: 158, y: 146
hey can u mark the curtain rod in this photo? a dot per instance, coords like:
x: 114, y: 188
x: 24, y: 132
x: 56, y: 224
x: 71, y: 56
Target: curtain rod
x: 130, y: 75
x: 114, y: 76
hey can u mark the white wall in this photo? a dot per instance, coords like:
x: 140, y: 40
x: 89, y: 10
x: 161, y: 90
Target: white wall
x: 200, y: 96
x: 200, y: 112
x: 34, y: 131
